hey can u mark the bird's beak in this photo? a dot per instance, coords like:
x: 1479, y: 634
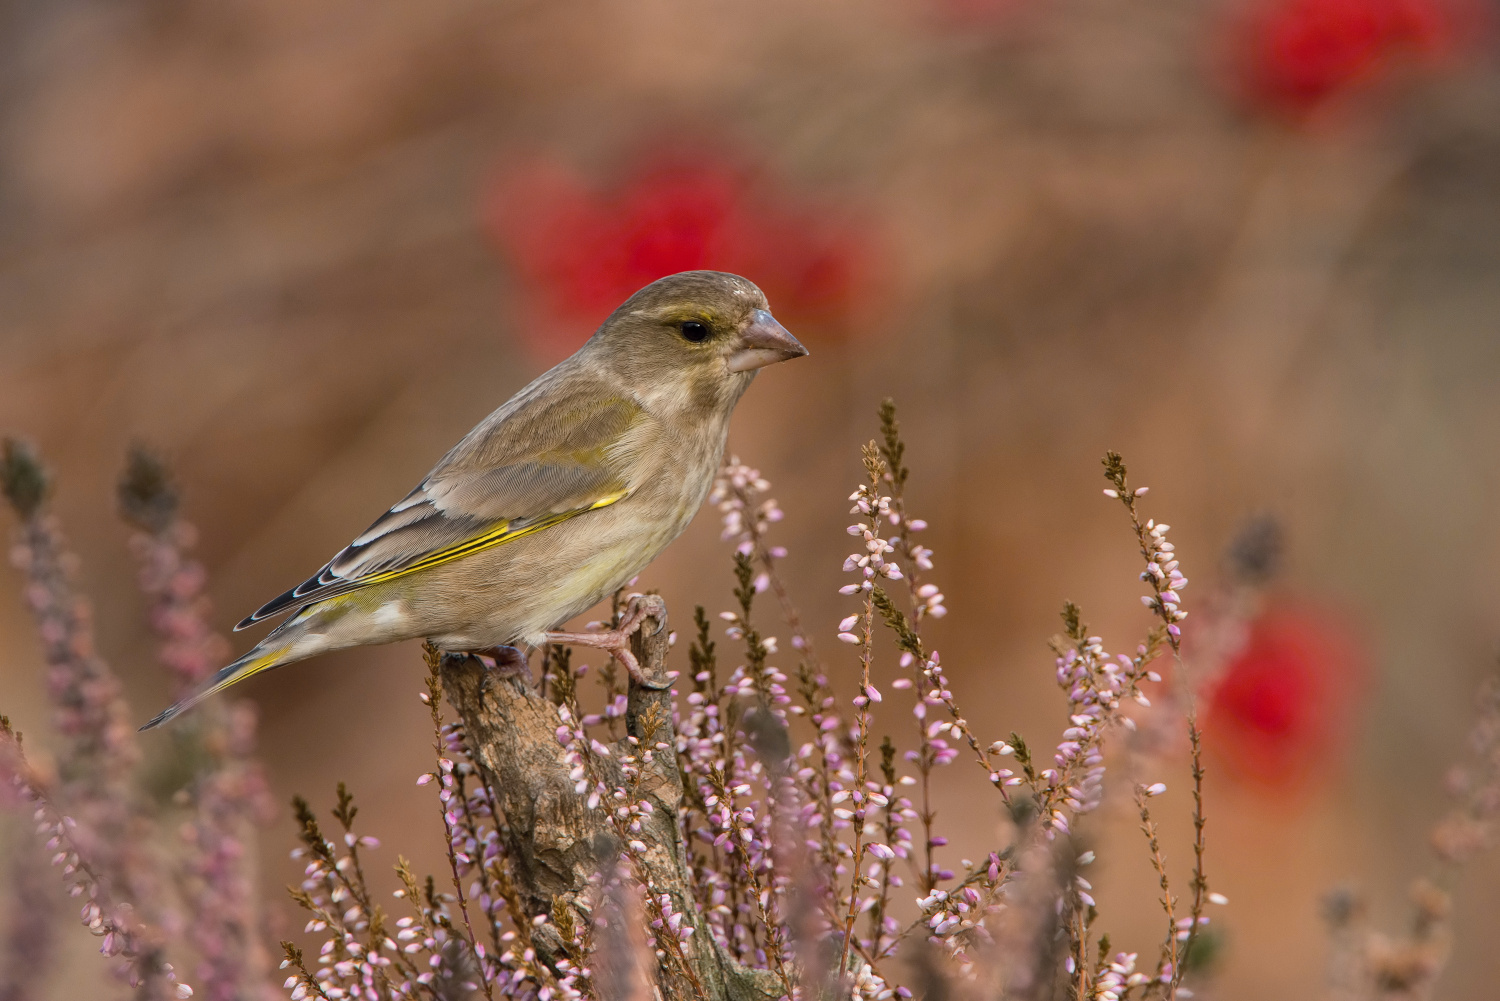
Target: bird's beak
x: 764, y: 342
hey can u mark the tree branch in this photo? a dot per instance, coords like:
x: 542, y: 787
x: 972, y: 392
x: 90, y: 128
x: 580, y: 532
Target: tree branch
x: 555, y: 841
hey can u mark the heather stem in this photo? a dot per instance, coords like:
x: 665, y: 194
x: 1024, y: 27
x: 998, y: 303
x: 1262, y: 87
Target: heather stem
x: 876, y: 468
x: 435, y: 704
x: 1166, y: 580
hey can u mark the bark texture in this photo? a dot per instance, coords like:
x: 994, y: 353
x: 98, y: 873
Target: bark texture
x: 555, y: 841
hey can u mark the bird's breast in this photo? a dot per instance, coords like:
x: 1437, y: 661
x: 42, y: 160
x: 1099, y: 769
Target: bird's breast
x: 522, y: 588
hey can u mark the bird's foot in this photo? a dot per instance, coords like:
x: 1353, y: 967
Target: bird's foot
x: 617, y: 641
x: 508, y: 660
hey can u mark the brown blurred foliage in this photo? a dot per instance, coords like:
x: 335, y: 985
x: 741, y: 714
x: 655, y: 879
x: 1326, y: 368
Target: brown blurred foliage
x: 253, y: 235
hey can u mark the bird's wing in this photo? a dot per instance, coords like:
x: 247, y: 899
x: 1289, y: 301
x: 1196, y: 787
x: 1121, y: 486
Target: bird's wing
x: 524, y: 469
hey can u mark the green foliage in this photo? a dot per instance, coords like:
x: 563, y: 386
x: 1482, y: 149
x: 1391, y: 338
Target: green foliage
x: 1023, y: 756
x: 701, y: 653
x: 148, y: 497
x: 346, y: 811
x: 1114, y: 470
x: 1073, y: 623
x: 22, y: 477
x: 309, y: 831
x: 906, y: 637
x: 744, y: 591
x: 888, y: 761
x: 892, y: 449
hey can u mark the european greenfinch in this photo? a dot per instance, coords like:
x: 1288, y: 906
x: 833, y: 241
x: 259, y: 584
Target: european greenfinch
x: 553, y: 501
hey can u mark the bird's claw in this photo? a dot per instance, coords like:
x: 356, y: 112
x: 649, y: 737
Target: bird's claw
x: 617, y: 641
x: 614, y: 641
x: 640, y: 608
x: 508, y: 660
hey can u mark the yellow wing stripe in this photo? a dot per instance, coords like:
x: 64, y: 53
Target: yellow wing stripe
x: 264, y: 662
x: 231, y: 675
x: 494, y: 537
x: 242, y: 669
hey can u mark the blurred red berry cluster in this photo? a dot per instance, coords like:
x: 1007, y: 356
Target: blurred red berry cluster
x: 1293, y: 56
x: 580, y: 252
x: 1283, y: 708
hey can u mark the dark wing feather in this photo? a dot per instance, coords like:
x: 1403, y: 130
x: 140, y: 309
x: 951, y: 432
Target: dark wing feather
x: 524, y: 469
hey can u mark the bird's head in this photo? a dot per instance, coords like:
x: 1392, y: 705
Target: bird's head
x: 693, y: 340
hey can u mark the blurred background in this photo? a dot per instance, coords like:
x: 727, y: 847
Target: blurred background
x: 1254, y: 245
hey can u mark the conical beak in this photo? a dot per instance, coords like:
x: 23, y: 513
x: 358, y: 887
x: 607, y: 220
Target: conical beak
x: 764, y: 342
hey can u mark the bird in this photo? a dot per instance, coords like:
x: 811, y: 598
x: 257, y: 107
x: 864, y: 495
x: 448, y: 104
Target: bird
x: 552, y: 502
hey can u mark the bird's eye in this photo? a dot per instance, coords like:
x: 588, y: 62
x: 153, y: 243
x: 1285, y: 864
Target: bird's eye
x: 695, y: 331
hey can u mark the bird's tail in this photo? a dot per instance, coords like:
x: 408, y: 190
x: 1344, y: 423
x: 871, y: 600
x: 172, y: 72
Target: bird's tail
x: 272, y: 652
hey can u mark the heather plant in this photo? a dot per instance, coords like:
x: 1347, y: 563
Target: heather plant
x: 1368, y: 964
x: 225, y: 788
x: 141, y: 892
x: 802, y: 855
x: 723, y: 828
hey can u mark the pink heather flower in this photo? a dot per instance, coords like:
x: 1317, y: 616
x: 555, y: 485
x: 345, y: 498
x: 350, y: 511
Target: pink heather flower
x: 229, y: 795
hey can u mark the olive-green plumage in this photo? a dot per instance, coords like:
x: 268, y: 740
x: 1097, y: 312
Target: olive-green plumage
x: 555, y: 500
